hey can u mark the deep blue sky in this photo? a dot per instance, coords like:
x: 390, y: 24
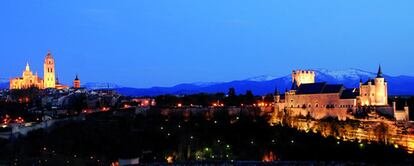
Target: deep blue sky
x: 145, y: 43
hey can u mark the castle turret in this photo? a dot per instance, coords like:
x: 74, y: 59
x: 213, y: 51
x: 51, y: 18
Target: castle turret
x: 379, y: 74
x: 407, y: 111
x: 277, y: 96
x: 49, y: 71
x: 374, y: 92
x: 381, y: 92
x: 295, y: 85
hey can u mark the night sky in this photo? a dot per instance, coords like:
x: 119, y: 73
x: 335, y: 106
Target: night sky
x: 144, y: 43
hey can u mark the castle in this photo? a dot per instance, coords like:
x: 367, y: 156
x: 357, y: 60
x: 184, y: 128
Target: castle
x: 50, y: 80
x: 320, y: 100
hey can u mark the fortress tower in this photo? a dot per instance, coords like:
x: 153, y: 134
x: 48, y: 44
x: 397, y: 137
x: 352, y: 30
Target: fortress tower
x: 374, y: 92
x: 49, y: 71
x: 303, y: 77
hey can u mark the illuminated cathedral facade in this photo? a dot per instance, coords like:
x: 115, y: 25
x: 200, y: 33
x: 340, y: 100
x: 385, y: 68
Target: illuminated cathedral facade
x: 29, y: 79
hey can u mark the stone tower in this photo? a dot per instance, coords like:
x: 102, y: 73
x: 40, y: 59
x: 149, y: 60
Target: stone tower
x: 381, y: 91
x: 76, y: 83
x: 374, y: 92
x: 303, y: 77
x: 49, y: 72
x: 407, y: 111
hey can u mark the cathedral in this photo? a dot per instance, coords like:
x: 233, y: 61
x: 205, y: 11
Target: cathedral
x: 29, y: 79
x: 320, y: 100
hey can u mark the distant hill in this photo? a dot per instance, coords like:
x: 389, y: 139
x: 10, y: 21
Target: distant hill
x: 397, y: 85
x: 100, y: 85
x: 4, y: 83
x: 260, y: 85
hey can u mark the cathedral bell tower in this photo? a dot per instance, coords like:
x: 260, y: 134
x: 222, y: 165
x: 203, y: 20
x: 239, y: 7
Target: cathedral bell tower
x: 49, y: 71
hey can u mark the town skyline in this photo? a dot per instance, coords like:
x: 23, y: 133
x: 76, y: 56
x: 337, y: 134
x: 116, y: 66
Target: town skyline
x: 183, y: 82
x: 68, y: 81
x: 143, y: 44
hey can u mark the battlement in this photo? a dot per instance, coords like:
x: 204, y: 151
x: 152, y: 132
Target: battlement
x: 303, y: 72
x: 303, y: 76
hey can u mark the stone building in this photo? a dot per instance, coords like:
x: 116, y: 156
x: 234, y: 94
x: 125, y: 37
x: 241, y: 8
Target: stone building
x: 401, y: 115
x: 29, y: 79
x: 321, y: 100
x: 76, y: 83
x: 49, y: 72
x: 374, y: 92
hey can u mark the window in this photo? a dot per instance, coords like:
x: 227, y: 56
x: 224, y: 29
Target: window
x: 317, y: 105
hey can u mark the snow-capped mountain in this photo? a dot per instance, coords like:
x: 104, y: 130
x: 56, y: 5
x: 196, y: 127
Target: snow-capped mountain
x: 262, y: 78
x: 204, y: 84
x: 397, y: 85
x: 342, y: 75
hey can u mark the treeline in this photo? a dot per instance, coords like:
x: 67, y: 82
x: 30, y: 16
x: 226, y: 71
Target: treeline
x: 220, y: 99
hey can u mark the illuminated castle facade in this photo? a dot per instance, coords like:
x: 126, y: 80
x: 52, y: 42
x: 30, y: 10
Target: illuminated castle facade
x: 321, y: 100
x: 374, y: 92
x: 29, y: 79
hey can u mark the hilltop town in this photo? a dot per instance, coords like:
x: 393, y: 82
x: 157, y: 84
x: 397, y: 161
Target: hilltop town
x: 358, y: 116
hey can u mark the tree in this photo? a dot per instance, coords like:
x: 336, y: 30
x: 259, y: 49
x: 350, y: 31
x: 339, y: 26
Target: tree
x: 232, y: 99
x: 249, y: 98
x: 232, y: 92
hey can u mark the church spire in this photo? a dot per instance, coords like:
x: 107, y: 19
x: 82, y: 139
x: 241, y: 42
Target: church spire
x: 379, y: 74
x: 27, y: 66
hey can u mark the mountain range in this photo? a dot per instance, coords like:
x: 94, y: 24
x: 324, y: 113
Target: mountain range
x: 264, y: 84
x: 260, y: 85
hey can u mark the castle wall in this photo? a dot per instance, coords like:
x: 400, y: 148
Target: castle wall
x: 318, y: 101
x: 401, y: 115
x: 320, y: 113
x: 318, y: 106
